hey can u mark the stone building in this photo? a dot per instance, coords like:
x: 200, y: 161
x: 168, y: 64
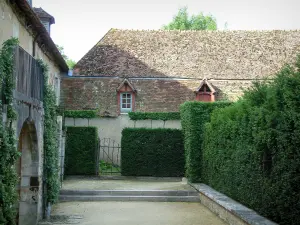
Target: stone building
x: 19, y: 20
x: 156, y: 71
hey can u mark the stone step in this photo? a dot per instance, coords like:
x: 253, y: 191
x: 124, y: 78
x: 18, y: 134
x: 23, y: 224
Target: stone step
x: 69, y: 198
x: 129, y: 192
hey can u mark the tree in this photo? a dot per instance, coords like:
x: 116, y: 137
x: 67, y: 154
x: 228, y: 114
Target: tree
x: 182, y: 21
x: 70, y: 62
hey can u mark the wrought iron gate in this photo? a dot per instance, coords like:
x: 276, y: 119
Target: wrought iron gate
x: 108, y: 158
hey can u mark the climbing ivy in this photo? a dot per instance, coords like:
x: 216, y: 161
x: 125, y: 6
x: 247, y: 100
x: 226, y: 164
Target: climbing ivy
x: 51, y: 155
x: 8, y: 150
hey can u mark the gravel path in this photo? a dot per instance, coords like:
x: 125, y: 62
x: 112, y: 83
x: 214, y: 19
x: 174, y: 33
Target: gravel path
x: 133, y: 213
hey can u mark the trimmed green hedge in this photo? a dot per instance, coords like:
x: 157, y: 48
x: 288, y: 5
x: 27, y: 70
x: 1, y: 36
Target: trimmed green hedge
x: 194, y: 115
x: 251, y: 149
x: 154, y: 115
x: 81, y: 144
x: 152, y: 152
x: 81, y: 113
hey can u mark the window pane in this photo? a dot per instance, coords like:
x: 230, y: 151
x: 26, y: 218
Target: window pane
x: 126, y: 104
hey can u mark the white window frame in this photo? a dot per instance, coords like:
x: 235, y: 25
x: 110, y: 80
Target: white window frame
x: 125, y: 110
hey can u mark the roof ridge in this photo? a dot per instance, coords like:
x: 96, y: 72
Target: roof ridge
x: 189, y: 31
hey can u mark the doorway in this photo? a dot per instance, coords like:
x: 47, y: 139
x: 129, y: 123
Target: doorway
x: 27, y: 168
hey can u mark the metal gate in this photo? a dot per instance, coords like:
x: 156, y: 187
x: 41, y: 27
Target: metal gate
x: 109, y: 159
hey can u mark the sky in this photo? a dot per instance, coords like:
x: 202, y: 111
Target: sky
x: 79, y: 25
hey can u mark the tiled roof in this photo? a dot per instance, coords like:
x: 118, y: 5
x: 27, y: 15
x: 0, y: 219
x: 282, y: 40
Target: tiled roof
x: 43, y: 14
x: 190, y: 54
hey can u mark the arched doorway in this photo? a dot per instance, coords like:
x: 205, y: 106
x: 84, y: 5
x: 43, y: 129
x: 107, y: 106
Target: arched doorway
x: 27, y: 168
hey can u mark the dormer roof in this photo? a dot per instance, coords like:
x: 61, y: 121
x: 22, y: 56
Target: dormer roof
x: 126, y: 82
x: 205, y: 86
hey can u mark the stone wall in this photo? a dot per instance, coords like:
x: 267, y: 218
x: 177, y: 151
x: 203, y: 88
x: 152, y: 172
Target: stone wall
x: 30, y: 112
x: 153, y: 95
x: 112, y: 127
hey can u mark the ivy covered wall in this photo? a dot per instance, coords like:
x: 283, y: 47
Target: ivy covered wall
x: 8, y: 150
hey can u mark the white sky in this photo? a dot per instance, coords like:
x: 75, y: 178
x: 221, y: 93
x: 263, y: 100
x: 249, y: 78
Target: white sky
x: 80, y: 24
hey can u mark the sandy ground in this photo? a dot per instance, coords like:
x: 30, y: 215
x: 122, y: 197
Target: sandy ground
x: 134, y: 213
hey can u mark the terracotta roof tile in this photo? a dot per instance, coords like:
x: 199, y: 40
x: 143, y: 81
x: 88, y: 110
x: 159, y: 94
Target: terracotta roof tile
x: 190, y: 54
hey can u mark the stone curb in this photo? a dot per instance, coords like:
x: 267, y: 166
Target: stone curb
x: 89, y: 198
x: 130, y: 192
x: 227, y: 209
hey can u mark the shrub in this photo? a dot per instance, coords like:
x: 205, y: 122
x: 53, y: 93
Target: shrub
x: 81, y: 113
x: 154, y: 115
x: 152, y: 152
x: 194, y: 115
x: 251, y: 149
x: 81, y: 147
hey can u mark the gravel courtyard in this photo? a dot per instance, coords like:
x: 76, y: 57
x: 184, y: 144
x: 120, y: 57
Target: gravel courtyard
x: 133, y: 213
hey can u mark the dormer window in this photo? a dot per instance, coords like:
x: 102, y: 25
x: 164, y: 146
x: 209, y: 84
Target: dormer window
x: 205, y: 92
x: 46, y: 19
x: 126, y: 97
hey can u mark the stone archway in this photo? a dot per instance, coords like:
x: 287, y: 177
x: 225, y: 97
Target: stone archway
x: 27, y: 168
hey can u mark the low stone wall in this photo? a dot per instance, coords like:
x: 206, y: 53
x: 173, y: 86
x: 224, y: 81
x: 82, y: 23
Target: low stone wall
x: 227, y: 209
x: 111, y: 128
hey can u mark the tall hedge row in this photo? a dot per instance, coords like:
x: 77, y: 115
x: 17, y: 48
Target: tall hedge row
x: 81, y: 113
x: 152, y: 152
x: 81, y: 146
x: 251, y: 149
x: 194, y: 115
x: 154, y: 116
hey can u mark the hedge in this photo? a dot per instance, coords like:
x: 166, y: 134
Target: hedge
x: 81, y: 144
x: 81, y: 113
x: 154, y: 115
x: 152, y: 152
x: 251, y: 149
x: 194, y: 115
